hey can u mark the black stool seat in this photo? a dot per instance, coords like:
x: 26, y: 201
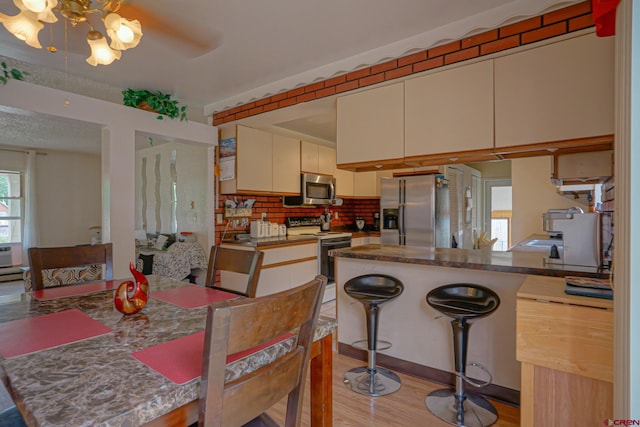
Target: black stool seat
x: 463, y: 300
x: 374, y: 288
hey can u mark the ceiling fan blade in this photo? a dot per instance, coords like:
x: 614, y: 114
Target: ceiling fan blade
x: 154, y: 22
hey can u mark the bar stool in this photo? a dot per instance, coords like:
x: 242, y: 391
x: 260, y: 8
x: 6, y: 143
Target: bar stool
x: 463, y: 302
x: 372, y: 290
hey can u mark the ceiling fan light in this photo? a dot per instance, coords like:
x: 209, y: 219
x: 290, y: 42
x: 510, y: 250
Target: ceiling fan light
x: 101, y: 53
x: 124, y: 34
x: 36, y: 6
x: 24, y: 26
x: 42, y: 8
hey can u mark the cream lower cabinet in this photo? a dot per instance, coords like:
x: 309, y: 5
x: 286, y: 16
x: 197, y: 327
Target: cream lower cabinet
x: 559, y: 91
x: 283, y: 267
x: 449, y: 111
x: 370, y: 125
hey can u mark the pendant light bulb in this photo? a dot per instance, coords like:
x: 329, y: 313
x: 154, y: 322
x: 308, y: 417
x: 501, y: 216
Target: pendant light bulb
x: 101, y: 53
x: 36, y: 6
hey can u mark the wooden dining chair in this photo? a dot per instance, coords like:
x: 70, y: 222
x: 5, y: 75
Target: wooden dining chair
x: 65, y: 257
x: 249, y: 263
x: 239, y: 325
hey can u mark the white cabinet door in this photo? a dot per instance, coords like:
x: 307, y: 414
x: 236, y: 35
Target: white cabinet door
x: 326, y: 160
x: 450, y: 111
x: 286, y: 164
x: 559, y: 91
x: 308, y: 157
x: 344, y: 183
x: 365, y: 184
x: 253, y: 158
x: 370, y: 125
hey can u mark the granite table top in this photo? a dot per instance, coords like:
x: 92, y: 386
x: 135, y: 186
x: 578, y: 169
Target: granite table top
x: 96, y: 382
x: 510, y: 262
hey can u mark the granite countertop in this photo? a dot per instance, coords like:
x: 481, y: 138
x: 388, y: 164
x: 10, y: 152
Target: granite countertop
x: 96, y: 381
x: 272, y: 241
x: 509, y: 262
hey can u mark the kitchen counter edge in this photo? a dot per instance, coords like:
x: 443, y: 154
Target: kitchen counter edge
x: 508, y: 262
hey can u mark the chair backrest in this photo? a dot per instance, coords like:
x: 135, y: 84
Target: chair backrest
x: 237, y: 261
x: 235, y: 326
x: 69, y: 256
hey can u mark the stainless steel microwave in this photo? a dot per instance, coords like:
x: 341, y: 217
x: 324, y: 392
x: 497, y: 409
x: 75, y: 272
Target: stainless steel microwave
x: 315, y: 190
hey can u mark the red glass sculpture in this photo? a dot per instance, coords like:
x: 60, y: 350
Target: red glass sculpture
x: 131, y: 297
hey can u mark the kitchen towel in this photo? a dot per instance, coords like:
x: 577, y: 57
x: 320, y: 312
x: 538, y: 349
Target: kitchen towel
x: 75, y: 290
x: 192, y: 296
x: 24, y: 336
x: 180, y: 360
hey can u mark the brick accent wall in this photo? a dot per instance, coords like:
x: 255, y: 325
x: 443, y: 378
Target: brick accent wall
x: 276, y: 212
x: 553, y: 24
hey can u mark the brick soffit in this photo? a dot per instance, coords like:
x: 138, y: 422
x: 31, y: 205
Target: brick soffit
x: 441, y: 37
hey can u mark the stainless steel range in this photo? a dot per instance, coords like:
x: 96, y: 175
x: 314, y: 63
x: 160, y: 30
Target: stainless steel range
x: 327, y: 240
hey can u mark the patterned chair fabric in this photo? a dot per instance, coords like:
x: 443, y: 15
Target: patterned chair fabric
x: 66, y: 276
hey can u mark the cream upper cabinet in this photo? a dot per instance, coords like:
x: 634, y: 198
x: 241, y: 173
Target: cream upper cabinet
x: 326, y: 160
x: 365, y: 184
x: 370, y: 125
x: 308, y: 157
x: 344, y: 183
x: 286, y: 164
x: 316, y: 158
x: 559, y: 91
x: 449, y: 111
x: 254, y: 167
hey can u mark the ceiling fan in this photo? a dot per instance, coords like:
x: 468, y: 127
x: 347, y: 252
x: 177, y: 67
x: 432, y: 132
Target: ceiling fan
x: 123, y: 22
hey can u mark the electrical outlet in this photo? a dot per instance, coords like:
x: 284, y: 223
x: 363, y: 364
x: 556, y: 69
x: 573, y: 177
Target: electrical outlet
x: 263, y: 216
x: 335, y: 215
x: 219, y: 218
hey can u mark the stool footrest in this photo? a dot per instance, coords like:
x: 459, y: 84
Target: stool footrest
x: 364, y: 345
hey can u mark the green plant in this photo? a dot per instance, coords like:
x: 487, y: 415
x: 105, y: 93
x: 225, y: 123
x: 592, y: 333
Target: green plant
x: 8, y: 74
x: 158, y: 102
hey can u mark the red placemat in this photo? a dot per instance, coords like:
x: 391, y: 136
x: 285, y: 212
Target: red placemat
x: 192, y: 296
x: 25, y: 336
x: 180, y: 360
x: 74, y: 290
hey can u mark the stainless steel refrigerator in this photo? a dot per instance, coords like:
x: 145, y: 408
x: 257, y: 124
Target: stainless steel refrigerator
x: 415, y: 211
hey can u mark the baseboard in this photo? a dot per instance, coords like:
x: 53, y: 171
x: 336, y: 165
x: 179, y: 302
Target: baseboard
x: 495, y: 392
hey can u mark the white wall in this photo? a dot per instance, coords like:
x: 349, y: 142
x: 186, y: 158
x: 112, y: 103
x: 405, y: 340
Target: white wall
x: 68, y: 198
x: 533, y: 194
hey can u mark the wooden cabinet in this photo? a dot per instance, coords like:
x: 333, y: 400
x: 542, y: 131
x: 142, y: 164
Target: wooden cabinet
x: 316, y: 158
x: 344, y: 183
x: 449, y: 111
x: 565, y: 346
x: 559, y: 91
x: 370, y: 125
x: 286, y: 164
x: 265, y: 163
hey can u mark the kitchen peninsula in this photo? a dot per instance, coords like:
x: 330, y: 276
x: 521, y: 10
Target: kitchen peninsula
x: 420, y: 337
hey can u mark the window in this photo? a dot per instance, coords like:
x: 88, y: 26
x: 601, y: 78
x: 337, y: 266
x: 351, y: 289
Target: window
x: 10, y: 207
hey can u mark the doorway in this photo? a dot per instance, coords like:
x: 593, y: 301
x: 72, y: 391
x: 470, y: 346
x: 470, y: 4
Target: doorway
x: 497, y: 211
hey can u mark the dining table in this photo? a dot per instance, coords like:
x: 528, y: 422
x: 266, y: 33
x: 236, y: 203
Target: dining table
x: 69, y: 358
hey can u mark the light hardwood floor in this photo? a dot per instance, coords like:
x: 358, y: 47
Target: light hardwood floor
x: 404, y: 408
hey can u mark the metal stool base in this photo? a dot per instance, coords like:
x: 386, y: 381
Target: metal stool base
x: 359, y: 380
x: 478, y: 411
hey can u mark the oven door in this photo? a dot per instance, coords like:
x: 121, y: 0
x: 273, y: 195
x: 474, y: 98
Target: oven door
x: 327, y: 262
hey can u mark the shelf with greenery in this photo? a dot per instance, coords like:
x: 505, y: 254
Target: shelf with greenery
x: 156, y: 102
x: 7, y: 74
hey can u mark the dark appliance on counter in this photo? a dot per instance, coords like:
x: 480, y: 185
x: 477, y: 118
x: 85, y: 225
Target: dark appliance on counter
x: 376, y: 221
x: 315, y: 190
x: 415, y: 211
